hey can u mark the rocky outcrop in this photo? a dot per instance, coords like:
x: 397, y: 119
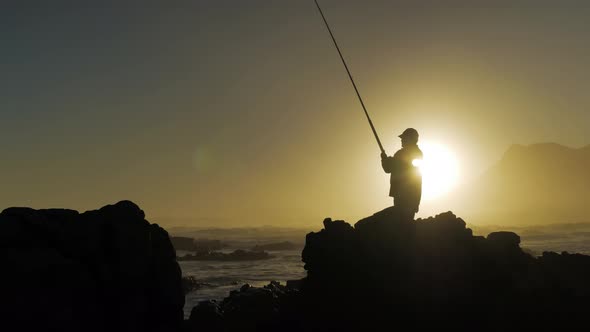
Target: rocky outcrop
x: 387, y: 273
x: 537, y: 184
x: 103, y: 270
x: 191, y: 284
x: 111, y: 270
x: 435, y: 272
x: 273, y: 307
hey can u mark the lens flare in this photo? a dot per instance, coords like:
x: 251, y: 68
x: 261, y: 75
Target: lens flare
x: 439, y: 168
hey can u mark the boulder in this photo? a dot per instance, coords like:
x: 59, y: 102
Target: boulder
x: 206, y: 316
x: 429, y: 272
x: 504, y: 239
x: 108, y: 269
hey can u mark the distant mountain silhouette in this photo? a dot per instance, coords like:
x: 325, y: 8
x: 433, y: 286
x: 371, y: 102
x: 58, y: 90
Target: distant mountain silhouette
x: 535, y: 184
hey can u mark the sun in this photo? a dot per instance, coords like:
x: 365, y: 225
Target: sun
x: 439, y: 168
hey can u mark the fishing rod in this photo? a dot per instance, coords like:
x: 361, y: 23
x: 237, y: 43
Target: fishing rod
x: 350, y: 76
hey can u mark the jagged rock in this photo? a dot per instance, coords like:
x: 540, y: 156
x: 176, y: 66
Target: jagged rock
x: 431, y: 271
x: 191, y: 284
x: 108, y: 269
x: 504, y: 239
x: 274, y: 307
x: 330, y: 248
x: 206, y: 315
x: 251, y: 309
x: 294, y: 284
x: 388, y: 273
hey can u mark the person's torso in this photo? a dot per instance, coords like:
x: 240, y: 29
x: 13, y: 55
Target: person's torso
x: 406, y: 174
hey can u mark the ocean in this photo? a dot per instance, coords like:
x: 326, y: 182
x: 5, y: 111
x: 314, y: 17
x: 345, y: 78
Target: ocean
x: 219, y: 278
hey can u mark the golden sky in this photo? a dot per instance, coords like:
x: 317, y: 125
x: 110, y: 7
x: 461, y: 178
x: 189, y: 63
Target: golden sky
x: 240, y: 113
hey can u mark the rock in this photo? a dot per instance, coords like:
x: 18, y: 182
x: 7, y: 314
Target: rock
x: 385, y: 217
x: 276, y: 288
x: 273, y: 307
x: 294, y: 284
x: 183, y: 243
x: 191, y: 284
x: 336, y: 226
x: 250, y: 309
x: 107, y: 269
x: 330, y: 248
x: 387, y: 272
x: 504, y: 239
x: 436, y: 269
x: 206, y: 315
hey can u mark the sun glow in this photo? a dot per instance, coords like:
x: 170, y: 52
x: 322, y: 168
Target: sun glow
x: 439, y: 168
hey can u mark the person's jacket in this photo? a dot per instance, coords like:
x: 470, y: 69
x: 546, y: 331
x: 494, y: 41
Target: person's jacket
x: 406, y: 180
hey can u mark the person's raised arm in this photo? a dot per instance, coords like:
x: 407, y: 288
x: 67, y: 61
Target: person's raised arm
x: 386, y: 162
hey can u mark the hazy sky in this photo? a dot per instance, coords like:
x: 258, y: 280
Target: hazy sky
x: 240, y: 112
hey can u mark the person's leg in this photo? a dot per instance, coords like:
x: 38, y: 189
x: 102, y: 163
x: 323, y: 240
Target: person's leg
x: 407, y: 213
x: 404, y: 207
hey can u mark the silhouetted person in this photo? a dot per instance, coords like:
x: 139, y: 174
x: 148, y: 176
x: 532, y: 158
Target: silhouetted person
x: 406, y: 180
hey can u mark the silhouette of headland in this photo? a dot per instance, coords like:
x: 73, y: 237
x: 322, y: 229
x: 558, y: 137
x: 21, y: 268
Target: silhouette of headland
x: 543, y: 183
x: 111, y: 270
